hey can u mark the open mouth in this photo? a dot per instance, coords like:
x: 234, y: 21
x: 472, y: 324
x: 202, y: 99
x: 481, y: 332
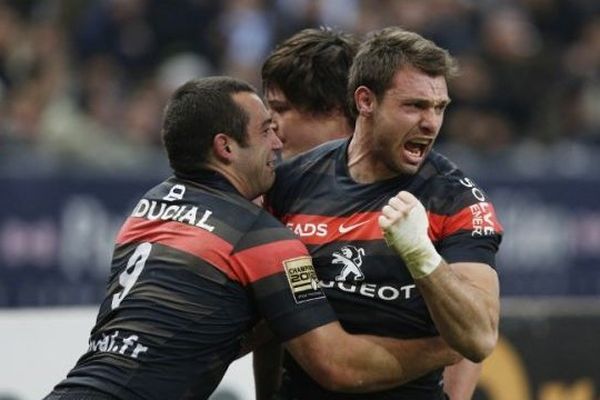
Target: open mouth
x: 275, y: 161
x: 272, y: 163
x: 416, y: 149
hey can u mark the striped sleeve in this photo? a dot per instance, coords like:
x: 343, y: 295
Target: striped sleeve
x: 279, y: 273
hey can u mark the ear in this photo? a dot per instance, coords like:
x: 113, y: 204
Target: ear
x: 223, y: 147
x: 364, y: 99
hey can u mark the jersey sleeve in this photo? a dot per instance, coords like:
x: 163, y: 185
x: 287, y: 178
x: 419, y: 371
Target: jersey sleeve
x: 278, y: 271
x: 466, y: 227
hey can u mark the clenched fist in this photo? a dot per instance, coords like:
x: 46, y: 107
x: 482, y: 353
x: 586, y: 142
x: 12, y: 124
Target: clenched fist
x: 404, y: 223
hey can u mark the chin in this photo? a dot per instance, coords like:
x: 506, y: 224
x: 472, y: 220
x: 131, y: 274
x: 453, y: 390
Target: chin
x: 265, y: 188
x: 409, y: 169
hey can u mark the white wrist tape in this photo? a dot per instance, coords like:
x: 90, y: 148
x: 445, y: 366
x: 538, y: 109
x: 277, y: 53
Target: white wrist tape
x: 420, y: 260
x: 408, y: 237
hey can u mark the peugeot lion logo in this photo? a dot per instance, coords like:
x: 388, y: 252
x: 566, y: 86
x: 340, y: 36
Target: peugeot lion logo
x: 351, y: 258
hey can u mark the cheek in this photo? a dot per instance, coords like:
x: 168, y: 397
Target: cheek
x: 440, y: 121
x: 290, y: 123
x: 400, y: 125
x: 294, y: 136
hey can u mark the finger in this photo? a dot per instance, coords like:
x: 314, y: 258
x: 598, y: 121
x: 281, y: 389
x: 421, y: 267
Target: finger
x: 398, y: 204
x: 407, y: 197
x: 384, y: 222
x: 390, y: 212
x: 397, y: 209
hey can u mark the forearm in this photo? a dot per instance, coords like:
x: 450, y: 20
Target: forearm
x: 465, y: 314
x: 365, y: 366
x: 346, y: 363
x: 463, y: 301
x: 419, y: 356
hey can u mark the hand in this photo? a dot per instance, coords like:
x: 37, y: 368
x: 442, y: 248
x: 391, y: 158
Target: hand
x: 404, y: 223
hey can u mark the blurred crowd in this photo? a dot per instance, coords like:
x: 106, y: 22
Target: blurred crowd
x: 83, y: 82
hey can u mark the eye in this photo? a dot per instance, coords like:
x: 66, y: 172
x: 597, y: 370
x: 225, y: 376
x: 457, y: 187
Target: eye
x: 279, y: 108
x: 416, y: 105
x: 440, y: 108
x: 269, y: 130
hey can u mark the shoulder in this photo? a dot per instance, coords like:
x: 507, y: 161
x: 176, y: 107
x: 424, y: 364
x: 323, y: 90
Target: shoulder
x: 301, y: 171
x: 274, y: 230
x: 447, y: 187
x: 462, y: 219
x: 307, y: 160
x: 266, y: 232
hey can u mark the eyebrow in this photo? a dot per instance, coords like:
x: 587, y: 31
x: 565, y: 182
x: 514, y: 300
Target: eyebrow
x: 276, y: 102
x: 444, y: 102
x: 266, y: 122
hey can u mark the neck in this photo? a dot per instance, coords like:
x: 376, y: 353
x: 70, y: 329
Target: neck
x: 235, y: 179
x: 364, y: 164
x: 336, y: 126
x: 331, y: 126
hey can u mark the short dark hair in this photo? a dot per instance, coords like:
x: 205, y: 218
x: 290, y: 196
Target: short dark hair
x: 387, y: 50
x: 311, y: 69
x: 195, y: 113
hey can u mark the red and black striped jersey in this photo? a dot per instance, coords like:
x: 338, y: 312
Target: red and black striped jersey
x: 367, y: 284
x: 195, y: 266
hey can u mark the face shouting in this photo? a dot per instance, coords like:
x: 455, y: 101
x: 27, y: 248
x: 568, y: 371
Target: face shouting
x: 407, y: 120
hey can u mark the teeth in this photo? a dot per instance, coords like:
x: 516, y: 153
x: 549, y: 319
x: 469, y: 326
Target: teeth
x: 414, y: 148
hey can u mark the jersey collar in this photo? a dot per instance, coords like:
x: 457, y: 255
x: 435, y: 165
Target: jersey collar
x: 210, y: 178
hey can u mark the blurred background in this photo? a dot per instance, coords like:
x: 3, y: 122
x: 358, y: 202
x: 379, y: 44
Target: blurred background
x: 82, y: 87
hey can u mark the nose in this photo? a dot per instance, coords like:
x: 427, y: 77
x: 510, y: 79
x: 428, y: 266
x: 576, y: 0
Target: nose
x: 430, y: 121
x: 275, y: 126
x: 277, y: 143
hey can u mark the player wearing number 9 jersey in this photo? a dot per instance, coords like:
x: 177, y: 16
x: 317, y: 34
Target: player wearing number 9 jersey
x: 185, y: 265
x: 197, y: 264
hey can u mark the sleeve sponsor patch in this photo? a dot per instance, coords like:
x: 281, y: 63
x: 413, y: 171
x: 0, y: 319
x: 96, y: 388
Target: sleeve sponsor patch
x: 479, y: 218
x: 302, y: 279
x: 483, y: 220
